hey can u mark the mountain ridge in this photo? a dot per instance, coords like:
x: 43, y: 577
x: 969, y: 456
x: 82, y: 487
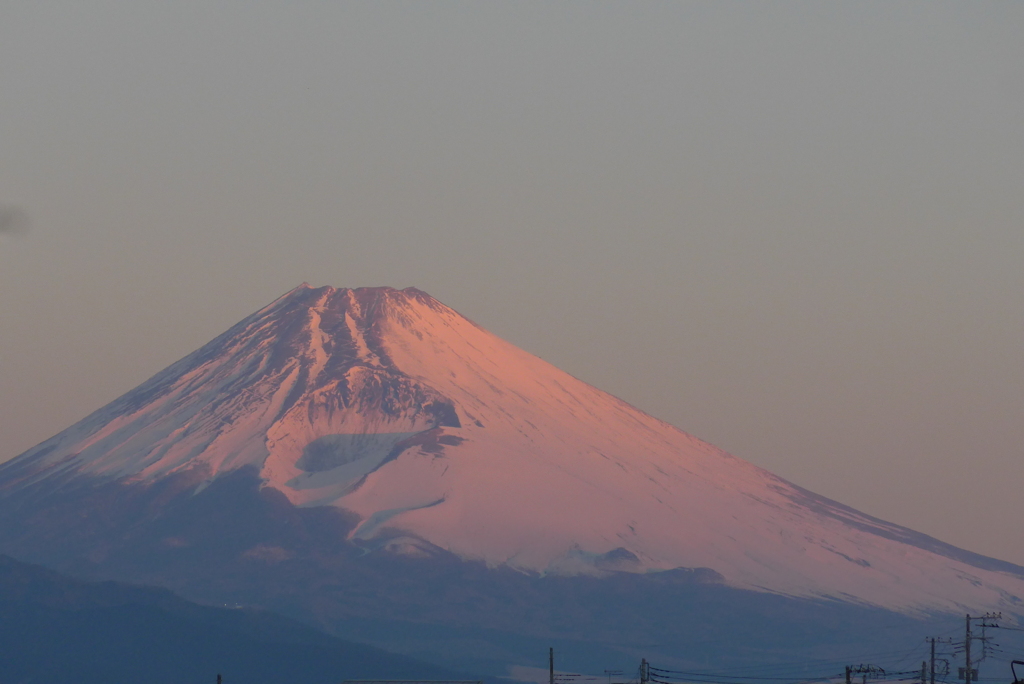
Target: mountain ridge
x: 57, y: 629
x: 433, y: 432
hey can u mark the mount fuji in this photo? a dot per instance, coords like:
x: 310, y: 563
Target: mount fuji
x: 373, y: 462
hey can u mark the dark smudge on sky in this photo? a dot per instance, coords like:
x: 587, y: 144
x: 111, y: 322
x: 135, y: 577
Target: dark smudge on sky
x: 13, y: 219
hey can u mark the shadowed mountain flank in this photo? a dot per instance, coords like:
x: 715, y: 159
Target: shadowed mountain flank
x: 57, y: 630
x: 236, y: 543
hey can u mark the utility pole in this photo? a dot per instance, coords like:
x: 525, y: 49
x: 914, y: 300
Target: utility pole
x: 612, y: 672
x: 924, y: 672
x: 967, y: 651
x: 643, y: 671
x: 551, y: 665
x: 969, y: 672
x: 932, y: 681
x: 865, y: 671
x: 936, y: 658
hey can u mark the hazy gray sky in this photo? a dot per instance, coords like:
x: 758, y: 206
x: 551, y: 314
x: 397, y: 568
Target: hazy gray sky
x: 795, y: 230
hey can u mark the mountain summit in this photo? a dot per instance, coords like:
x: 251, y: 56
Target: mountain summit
x: 434, y: 434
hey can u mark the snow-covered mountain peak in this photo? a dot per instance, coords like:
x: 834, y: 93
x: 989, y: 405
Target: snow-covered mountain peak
x: 435, y: 432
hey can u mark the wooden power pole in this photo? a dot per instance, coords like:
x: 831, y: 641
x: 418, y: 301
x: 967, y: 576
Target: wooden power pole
x: 967, y: 651
x: 932, y: 678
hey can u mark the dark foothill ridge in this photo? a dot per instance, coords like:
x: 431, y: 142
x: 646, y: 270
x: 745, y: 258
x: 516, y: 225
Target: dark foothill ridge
x: 56, y: 629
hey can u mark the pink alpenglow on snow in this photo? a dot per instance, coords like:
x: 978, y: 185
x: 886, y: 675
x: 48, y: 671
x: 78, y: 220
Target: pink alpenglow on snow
x: 391, y: 405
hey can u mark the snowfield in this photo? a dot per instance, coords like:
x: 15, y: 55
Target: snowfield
x: 393, y: 406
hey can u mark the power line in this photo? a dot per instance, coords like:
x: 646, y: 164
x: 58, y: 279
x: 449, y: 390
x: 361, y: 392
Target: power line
x: 669, y: 675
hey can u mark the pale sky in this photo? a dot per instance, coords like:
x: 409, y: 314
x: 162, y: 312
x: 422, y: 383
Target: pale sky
x: 795, y: 230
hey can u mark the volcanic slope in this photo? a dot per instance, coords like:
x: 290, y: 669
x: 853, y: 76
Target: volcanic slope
x: 436, y: 433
